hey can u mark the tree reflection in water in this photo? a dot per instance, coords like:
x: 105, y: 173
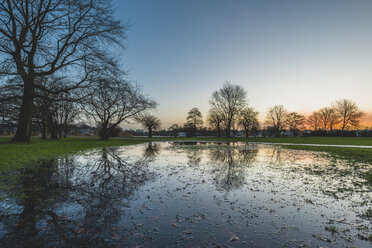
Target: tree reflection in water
x: 92, y: 195
x: 151, y: 151
x: 231, y: 165
x: 186, y: 194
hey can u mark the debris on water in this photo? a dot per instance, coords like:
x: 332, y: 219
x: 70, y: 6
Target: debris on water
x: 188, y: 195
x: 233, y: 237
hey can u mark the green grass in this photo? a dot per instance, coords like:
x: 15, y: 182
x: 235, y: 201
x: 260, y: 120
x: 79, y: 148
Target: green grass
x: 14, y: 154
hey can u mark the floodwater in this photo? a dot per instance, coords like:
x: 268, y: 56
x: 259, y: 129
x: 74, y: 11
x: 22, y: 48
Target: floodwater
x: 193, y: 194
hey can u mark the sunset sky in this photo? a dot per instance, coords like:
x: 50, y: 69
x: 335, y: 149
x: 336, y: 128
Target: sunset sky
x: 301, y: 54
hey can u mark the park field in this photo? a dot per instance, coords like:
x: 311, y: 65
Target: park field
x: 15, y: 154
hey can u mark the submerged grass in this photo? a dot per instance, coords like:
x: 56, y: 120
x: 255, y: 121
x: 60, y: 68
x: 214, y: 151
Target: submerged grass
x: 363, y: 155
x: 361, y: 141
x: 15, y: 154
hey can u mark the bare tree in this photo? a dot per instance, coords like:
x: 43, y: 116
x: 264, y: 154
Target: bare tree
x: 113, y: 100
x: 10, y: 102
x: 228, y: 102
x: 216, y: 120
x: 324, y: 118
x: 67, y: 113
x: 295, y: 122
x: 43, y: 37
x: 248, y: 119
x: 54, y: 112
x: 194, y: 120
x: 349, y: 113
x: 334, y: 119
x: 314, y: 120
x: 328, y: 118
x: 276, y: 116
x: 149, y: 121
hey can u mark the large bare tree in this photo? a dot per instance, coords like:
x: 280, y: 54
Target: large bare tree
x: 276, y: 116
x: 229, y: 101
x: 349, y: 113
x: 40, y: 38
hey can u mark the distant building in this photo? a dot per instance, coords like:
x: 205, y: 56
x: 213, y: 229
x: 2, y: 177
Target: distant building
x: 181, y: 134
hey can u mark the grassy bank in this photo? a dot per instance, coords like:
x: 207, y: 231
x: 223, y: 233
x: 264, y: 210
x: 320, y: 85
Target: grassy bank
x: 12, y: 154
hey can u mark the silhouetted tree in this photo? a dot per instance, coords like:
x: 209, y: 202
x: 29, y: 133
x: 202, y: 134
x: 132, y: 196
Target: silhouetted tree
x: 113, y: 100
x: 216, y: 121
x: 43, y: 37
x: 228, y: 102
x: 10, y: 102
x: 349, y: 113
x: 194, y: 120
x: 55, y: 112
x: 248, y: 119
x: 295, y: 122
x: 314, y: 120
x: 150, y: 122
x: 329, y: 118
x: 276, y: 116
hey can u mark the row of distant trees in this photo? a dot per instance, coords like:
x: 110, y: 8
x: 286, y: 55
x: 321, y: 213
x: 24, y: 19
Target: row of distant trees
x: 343, y: 115
x: 229, y: 110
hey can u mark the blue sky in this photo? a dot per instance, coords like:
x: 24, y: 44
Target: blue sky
x: 302, y: 54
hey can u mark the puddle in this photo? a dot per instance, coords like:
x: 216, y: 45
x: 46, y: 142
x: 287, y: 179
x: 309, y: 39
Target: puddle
x: 193, y: 194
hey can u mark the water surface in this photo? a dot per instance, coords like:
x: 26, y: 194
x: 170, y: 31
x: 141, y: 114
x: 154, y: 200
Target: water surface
x: 193, y: 194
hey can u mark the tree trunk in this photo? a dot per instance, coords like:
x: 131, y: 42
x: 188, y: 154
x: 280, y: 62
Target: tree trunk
x: 25, y: 116
x: 59, y: 131
x: 65, y: 131
x: 43, y: 129
x: 277, y: 131
x: 53, y: 135
x: 343, y: 127
x: 150, y: 132
x: 104, y: 133
x: 53, y: 130
x: 246, y: 132
x: 228, y: 129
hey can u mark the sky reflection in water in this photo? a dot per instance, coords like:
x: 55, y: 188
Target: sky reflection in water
x: 187, y: 194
